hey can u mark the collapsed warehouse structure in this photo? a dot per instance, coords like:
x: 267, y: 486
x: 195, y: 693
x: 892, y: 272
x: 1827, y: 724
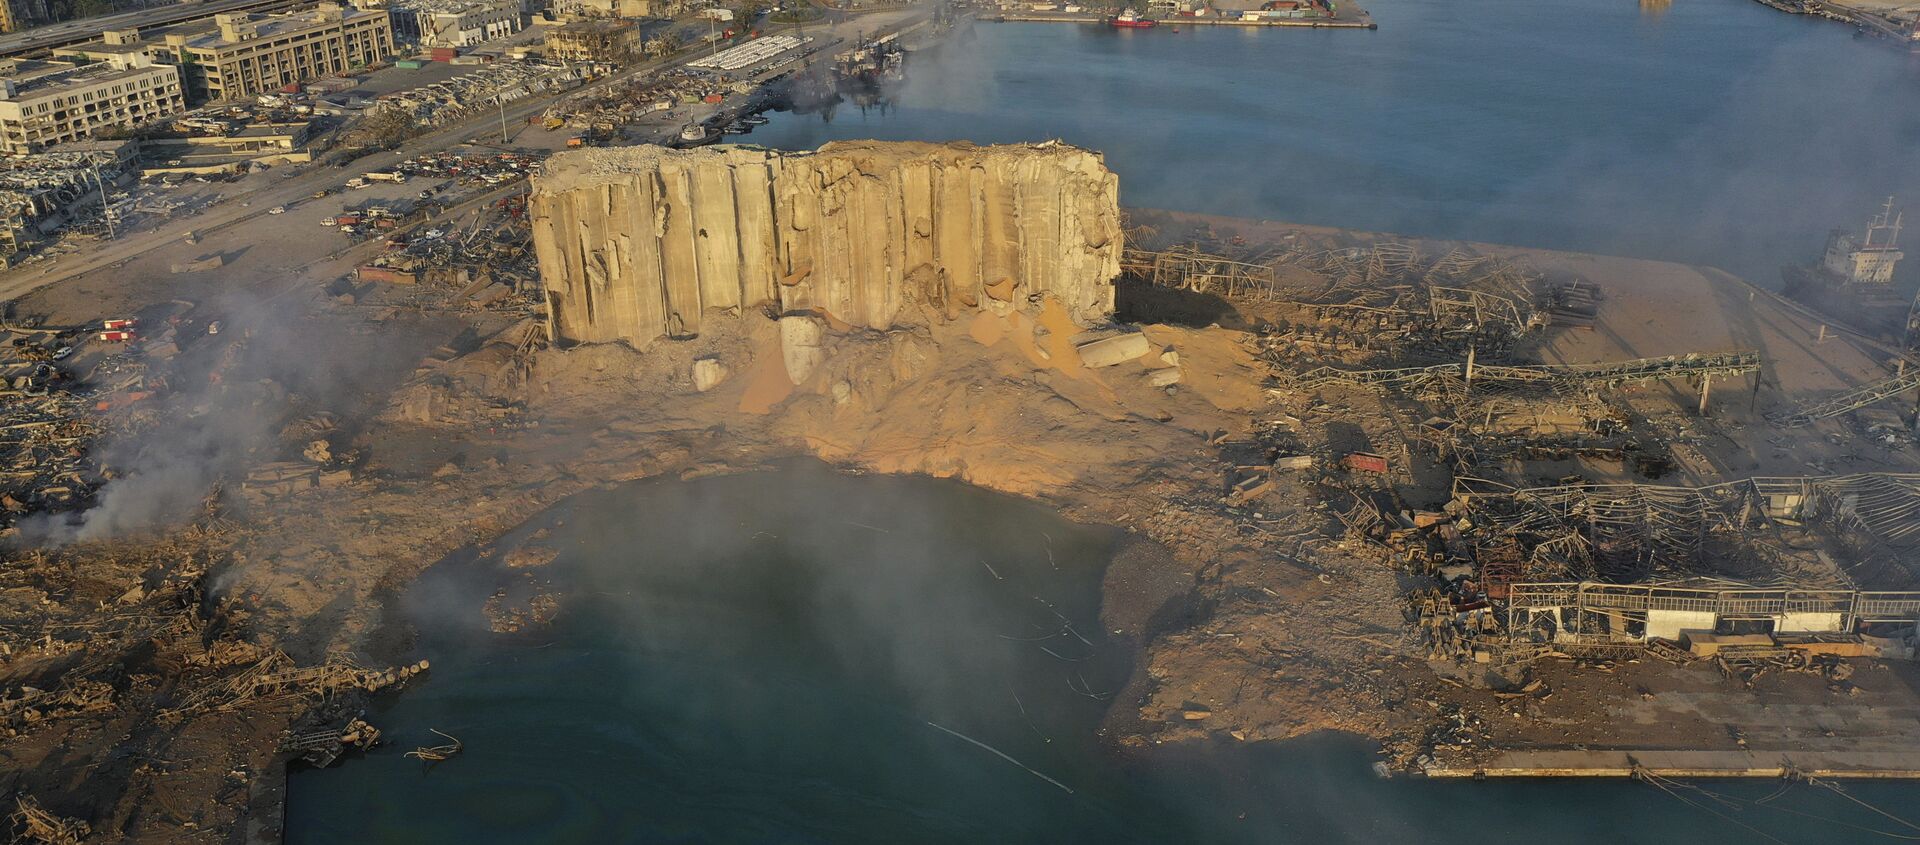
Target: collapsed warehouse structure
x: 1748, y: 570
x: 39, y: 196
x: 1622, y: 562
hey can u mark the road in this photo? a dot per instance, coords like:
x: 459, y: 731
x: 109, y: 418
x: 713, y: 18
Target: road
x: 242, y: 207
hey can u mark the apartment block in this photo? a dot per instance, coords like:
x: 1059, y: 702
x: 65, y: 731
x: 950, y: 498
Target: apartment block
x: 593, y: 41
x: 243, y: 55
x: 43, y: 103
x: 456, y: 23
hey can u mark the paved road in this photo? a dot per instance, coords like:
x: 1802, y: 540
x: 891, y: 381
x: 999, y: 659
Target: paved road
x: 230, y: 211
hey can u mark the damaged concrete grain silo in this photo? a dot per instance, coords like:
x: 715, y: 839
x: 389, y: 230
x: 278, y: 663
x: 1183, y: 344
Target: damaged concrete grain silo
x: 642, y: 242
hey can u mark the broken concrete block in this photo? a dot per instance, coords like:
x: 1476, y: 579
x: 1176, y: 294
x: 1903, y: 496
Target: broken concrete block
x: 800, y: 348
x: 1117, y: 349
x: 1170, y: 357
x: 1163, y: 377
x: 1293, y: 462
x: 708, y: 373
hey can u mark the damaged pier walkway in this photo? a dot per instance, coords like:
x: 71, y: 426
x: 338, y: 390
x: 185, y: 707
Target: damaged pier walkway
x: 1577, y: 763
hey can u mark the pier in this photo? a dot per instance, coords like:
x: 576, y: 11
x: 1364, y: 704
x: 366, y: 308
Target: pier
x: 1868, y: 23
x: 1575, y: 763
x: 1363, y: 22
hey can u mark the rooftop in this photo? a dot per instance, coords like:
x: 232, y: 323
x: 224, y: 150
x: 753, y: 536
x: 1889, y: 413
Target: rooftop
x: 31, y: 78
x: 228, y: 30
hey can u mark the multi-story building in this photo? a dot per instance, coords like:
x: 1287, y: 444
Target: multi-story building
x: 16, y: 15
x: 593, y: 41
x: 455, y: 23
x: 54, y: 102
x: 571, y: 10
x: 242, y: 55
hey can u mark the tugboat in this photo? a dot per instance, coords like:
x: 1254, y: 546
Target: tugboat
x: 1129, y: 20
x: 1854, y: 280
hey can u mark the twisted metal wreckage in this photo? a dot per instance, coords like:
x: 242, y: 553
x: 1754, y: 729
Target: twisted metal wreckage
x: 1609, y: 568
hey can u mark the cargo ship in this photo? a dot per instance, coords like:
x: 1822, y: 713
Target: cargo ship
x: 1853, y: 282
x: 872, y: 72
x: 1129, y: 20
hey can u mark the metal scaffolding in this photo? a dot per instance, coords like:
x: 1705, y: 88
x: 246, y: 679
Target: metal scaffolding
x: 1860, y: 397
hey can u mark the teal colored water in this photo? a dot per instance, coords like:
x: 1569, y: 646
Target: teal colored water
x: 765, y: 658
x: 1718, y: 132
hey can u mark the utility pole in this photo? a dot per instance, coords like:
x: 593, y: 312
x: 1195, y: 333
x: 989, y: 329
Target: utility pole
x: 106, y: 212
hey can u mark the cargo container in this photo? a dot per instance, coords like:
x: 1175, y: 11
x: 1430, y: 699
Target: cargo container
x: 120, y: 323
x: 371, y: 273
x: 117, y: 337
x: 408, y: 64
x: 1365, y: 462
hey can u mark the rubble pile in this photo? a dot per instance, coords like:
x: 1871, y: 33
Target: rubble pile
x: 491, y: 85
x: 47, y: 192
x: 48, y: 422
x: 485, y: 263
x: 1440, y: 424
x: 605, y: 109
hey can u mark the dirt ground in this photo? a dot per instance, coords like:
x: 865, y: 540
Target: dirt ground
x: 1254, y: 619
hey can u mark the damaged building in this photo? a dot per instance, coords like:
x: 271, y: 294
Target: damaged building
x: 639, y: 243
x: 54, y: 189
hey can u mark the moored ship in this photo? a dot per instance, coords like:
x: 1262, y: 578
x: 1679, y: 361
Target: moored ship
x: 1853, y: 282
x: 1130, y: 20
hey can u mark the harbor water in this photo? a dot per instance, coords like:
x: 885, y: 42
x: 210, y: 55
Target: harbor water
x: 801, y: 656
x: 1717, y: 132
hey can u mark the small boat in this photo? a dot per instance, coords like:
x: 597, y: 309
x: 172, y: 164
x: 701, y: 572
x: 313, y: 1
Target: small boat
x: 754, y: 120
x: 1129, y: 20
x: 737, y: 128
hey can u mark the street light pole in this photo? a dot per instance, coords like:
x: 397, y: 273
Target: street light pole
x: 106, y: 212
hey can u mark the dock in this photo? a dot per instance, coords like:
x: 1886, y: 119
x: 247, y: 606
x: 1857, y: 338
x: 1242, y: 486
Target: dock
x: 1868, y: 23
x: 1575, y: 763
x: 1043, y: 17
